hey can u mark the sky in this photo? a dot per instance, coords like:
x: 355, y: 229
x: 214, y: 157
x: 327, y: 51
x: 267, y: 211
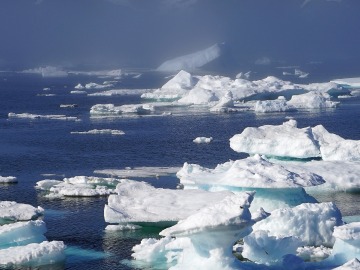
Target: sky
x: 144, y: 33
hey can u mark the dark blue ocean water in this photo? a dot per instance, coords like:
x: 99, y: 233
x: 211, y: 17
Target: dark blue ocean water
x: 30, y: 148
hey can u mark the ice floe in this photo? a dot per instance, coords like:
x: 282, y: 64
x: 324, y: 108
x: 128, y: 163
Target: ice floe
x: 112, y: 110
x: 139, y: 202
x: 287, y: 140
x: 78, y: 186
x: 348, y: 82
x: 140, y: 172
x: 100, y: 131
x: 119, y: 92
x: 11, y: 211
x: 8, y: 179
x: 32, y: 255
x: 203, y: 140
x: 192, y: 61
x: 68, y: 105
x: 12, y: 115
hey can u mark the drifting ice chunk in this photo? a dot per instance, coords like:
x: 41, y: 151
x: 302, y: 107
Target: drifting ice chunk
x: 8, y: 179
x: 203, y: 239
x: 79, y: 86
x: 334, y: 147
x: 225, y: 104
x: 347, y: 244
x: 350, y: 265
x: 123, y: 227
x: 174, y: 89
x: 202, y: 140
x: 278, y: 105
x: 140, y: 202
x: 312, y: 223
x: 22, y: 233
x: 110, y: 109
x: 260, y: 247
x: 139, y: 172
x: 39, y: 116
x: 192, y: 61
x: 349, y: 82
x: 100, y: 131
x: 253, y: 172
x: 33, y: 254
x: 285, y: 140
x: 13, y: 211
x: 47, y: 71
x: 96, y: 86
x: 198, y: 96
x: 312, y: 100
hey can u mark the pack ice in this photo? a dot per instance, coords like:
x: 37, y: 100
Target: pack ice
x: 22, y: 240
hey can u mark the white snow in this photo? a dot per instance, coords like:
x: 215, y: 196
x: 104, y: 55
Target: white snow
x: 192, y: 61
x: 111, y: 110
x: 13, y: 211
x: 202, y: 139
x: 8, y: 179
x: 312, y: 100
x: 140, y: 202
x: 354, y: 264
x: 93, y: 85
x: 119, y: 92
x: 100, y: 131
x: 33, y: 254
x: 40, y: 116
x: 350, y: 82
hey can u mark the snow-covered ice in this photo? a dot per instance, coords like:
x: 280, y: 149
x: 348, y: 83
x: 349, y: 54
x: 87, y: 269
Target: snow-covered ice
x: 139, y: 172
x: 13, y: 211
x: 353, y: 264
x: 112, y: 110
x: 192, y: 61
x: 202, y: 139
x: 33, y: 255
x: 119, y: 92
x: 79, y: 186
x: 12, y: 115
x: 100, y: 131
x: 8, y: 179
x: 348, y: 82
x: 139, y: 202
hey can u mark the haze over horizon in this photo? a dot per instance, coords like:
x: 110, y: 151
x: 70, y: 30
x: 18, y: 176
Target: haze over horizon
x: 138, y: 33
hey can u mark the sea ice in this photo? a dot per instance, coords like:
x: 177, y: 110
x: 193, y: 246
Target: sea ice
x: 139, y: 172
x: 278, y: 105
x: 93, y: 85
x: 100, y: 131
x: 122, y: 227
x: 203, y: 239
x: 348, y: 82
x: 174, y: 89
x: 139, y: 202
x: 119, y: 92
x: 12, y: 211
x: 79, y: 186
x: 192, y: 61
x: 33, y: 255
x: 347, y: 244
x: 47, y: 71
x: 39, y: 116
x: 110, y: 109
x: 312, y: 223
x: 203, y: 140
x: 354, y: 264
x: 285, y: 140
x: 8, y: 179
x: 312, y: 100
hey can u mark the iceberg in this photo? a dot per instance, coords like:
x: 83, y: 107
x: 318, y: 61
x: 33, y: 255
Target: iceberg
x: 203, y: 140
x: 347, y: 244
x: 204, y: 238
x: 275, y: 185
x: 111, y: 110
x: 285, y: 140
x: 139, y: 203
x: 192, y: 61
x: 93, y: 85
x: 278, y: 105
x: 34, y: 254
x: 12, y: 115
x: 354, y: 264
x: 11, y: 211
x: 100, y: 131
x: 312, y: 100
x: 174, y: 89
x: 348, y: 82
x: 8, y: 179
x: 312, y: 223
x: 118, y: 92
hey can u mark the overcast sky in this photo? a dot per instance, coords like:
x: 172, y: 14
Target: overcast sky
x: 144, y: 33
